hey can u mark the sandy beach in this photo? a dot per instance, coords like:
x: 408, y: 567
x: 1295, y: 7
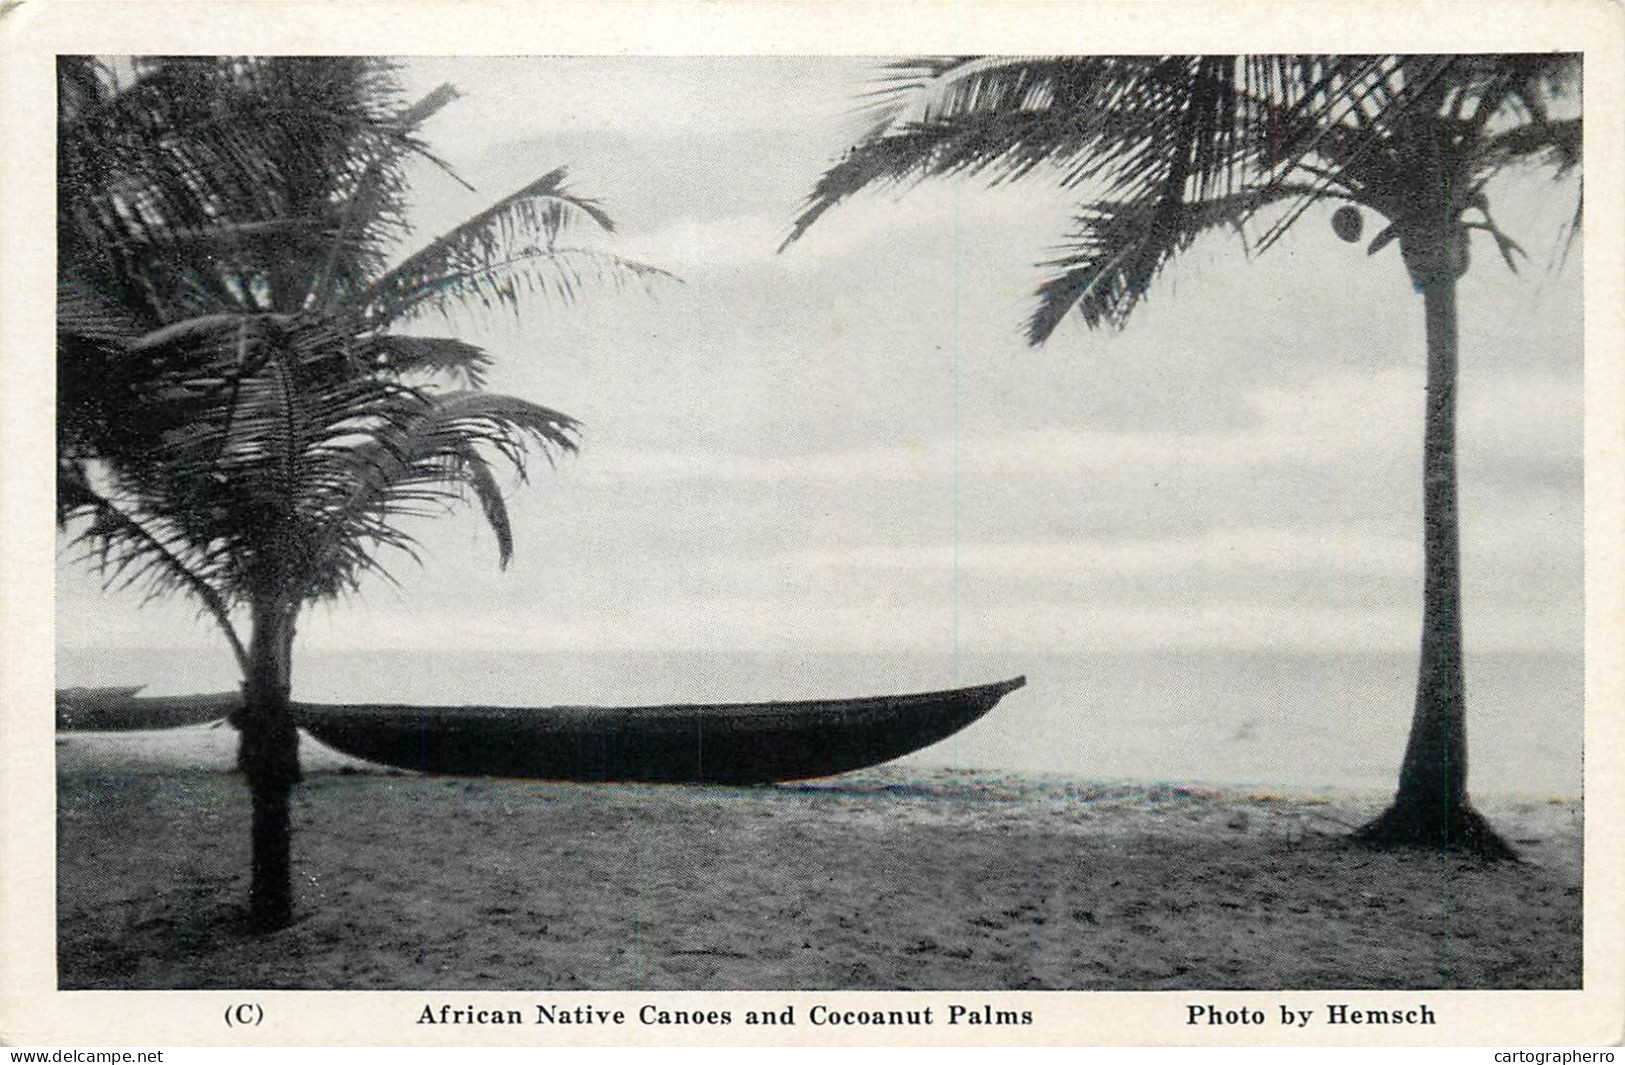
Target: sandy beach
x: 886, y: 879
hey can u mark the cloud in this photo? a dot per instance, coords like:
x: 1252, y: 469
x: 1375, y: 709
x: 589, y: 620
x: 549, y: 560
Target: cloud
x: 1335, y: 418
x: 1344, y: 448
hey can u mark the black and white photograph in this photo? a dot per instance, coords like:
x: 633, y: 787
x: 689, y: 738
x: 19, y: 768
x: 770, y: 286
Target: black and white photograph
x: 951, y: 522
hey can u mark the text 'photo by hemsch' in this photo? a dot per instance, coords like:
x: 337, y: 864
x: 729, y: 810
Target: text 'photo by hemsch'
x: 810, y: 523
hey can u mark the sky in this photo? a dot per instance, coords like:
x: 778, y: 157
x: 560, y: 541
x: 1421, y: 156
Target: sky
x: 848, y: 446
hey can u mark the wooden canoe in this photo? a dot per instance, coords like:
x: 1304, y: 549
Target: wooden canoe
x: 118, y: 709
x: 734, y: 743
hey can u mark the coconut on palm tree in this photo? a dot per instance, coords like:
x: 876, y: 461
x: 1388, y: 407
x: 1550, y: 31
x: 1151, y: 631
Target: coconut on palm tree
x: 242, y: 417
x: 1161, y: 149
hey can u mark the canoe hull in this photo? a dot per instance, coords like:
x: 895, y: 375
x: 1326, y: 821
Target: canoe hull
x: 120, y: 710
x: 746, y: 743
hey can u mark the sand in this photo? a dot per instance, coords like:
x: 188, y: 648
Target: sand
x: 886, y: 879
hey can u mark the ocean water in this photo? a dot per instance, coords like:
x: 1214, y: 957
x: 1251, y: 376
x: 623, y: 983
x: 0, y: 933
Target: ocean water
x: 1289, y: 721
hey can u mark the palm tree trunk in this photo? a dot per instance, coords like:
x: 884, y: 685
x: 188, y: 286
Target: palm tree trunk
x: 1431, y: 807
x: 268, y: 755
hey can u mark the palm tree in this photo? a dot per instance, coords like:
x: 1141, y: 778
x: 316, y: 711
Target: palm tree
x: 241, y: 419
x: 1163, y: 149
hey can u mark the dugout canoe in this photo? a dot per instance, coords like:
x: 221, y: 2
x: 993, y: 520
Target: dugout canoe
x: 118, y: 709
x: 727, y: 743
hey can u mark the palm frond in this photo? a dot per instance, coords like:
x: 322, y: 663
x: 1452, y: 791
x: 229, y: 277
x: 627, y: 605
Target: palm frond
x: 127, y: 550
x: 1117, y: 250
x: 370, y: 199
x: 444, y: 356
x: 190, y: 136
x: 1557, y: 145
x: 1195, y: 125
x: 424, y: 455
x: 560, y: 274
x: 522, y: 227
x: 999, y: 119
x: 83, y: 311
x: 477, y: 473
x: 204, y: 327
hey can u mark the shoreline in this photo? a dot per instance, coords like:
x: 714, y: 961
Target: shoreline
x: 211, y: 748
